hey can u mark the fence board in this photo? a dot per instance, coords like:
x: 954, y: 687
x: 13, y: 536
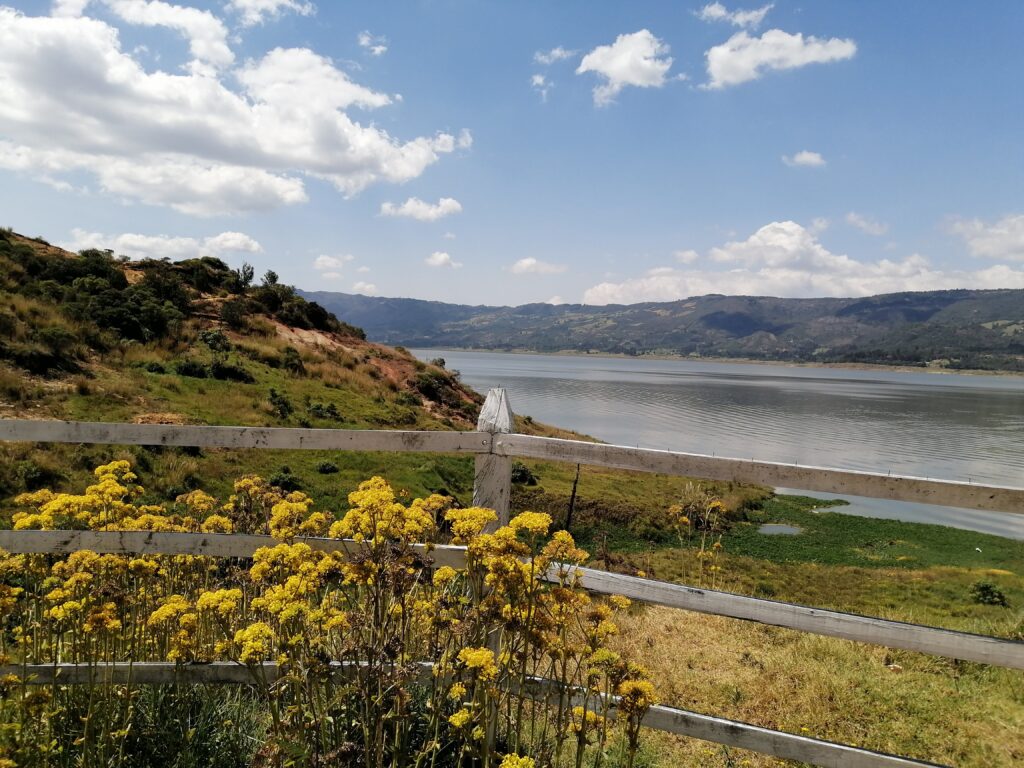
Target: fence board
x: 29, y: 430
x: 946, y: 493
x: 182, y: 543
x: 847, y: 626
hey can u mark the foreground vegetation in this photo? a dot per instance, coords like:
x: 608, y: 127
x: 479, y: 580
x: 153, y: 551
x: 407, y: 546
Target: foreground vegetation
x: 350, y: 633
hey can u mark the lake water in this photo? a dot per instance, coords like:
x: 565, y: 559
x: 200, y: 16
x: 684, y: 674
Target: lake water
x: 952, y: 427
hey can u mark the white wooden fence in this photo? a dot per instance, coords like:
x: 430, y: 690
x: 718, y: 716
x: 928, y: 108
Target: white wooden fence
x: 494, y: 445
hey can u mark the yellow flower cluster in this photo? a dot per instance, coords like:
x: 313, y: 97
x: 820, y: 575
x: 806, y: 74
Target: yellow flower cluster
x: 516, y: 609
x: 481, y: 661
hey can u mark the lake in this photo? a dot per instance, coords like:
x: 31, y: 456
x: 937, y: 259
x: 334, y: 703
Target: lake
x: 947, y: 426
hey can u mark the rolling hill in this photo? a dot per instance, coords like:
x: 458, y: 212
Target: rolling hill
x: 955, y: 329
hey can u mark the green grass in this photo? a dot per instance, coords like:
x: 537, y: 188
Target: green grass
x: 832, y: 538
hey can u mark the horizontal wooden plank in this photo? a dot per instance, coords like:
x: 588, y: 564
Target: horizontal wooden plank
x: 28, y: 430
x: 682, y: 722
x: 847, y: 626
x: 735, y: 733
x: 180, y: 543
x: 946, y: 493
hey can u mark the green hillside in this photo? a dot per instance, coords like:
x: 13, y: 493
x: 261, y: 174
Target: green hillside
x: 958, y: 329
x: 92, y: 337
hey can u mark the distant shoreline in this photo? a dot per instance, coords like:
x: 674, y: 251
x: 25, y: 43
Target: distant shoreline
x: 738, y: 360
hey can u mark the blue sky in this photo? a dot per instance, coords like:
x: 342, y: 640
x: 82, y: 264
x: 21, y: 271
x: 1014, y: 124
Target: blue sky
x: 440, y: 149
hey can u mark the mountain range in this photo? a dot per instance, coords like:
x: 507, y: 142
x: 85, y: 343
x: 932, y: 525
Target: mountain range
x: 955, y: 329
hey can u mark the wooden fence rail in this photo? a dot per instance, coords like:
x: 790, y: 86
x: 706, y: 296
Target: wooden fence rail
x: 494, y: 446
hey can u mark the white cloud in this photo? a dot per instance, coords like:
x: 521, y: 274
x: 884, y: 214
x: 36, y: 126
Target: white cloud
x: 532, y: 266
x: 866, y: 224
x: 414, y: 208
x: 541, y: 85
x: 71, y: 101
x: 376, y: 45
x: 163, y: 246
x: 363, y: 270
x: 638, y: 59
x: 550, y: 57
x: 254, y: 12
x: 786, y: 259
x: 742, y: 57
x: 804, y: 158
x: 368, y: 289
x: 819, y: 225
x: 448, y: 235
x: 1003, y: 239
x: 686, y: 257
x: 70, y: 8
x: 556, y: 300
x: 325, y: 263
x: 206, y: 34
x: 439, y: 259
x: 750, y: 19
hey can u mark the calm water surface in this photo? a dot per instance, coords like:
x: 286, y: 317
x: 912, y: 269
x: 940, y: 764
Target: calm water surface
x: 953, y: 427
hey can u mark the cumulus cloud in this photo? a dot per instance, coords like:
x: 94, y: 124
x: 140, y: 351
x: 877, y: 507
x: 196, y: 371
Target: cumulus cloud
x: 414, y: 208
x: 139, y: 246
x: 742, y: 57
x: 1002, y: 239
x: 71, y: 101
x: 254, y: 12
x: 785, y: 259
x: 440, y: 259
x: 69, y: 8
x: 749, y: 19
x: 547, y: 58
x: 532, y: 266
x: 686, y: 257
x: 804, y: 158
x: 368, y: 289
x: 206, y: 34
x: 866, y: 224
x: 375, y: 45
x: 639, y: 59
x: 331, y: 264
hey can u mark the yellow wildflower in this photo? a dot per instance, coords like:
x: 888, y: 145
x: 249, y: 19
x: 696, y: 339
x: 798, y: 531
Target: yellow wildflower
x: 460, y: 718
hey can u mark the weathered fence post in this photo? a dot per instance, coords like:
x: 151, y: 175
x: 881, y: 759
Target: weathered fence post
x: 492, y: 483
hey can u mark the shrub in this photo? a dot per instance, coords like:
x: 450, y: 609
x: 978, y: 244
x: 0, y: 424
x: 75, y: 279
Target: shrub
x: 285, y: 480
x: 521, y: 474
x: 215, y: 340
x: 191, y: 368
x: 233, y: 314
x: 323, y: 411
x: 281, y: 405
x: 292, y: 361
x: 228, y: 371
x: 327, y: 468
x: 987, y: 593
x: 154, y: 366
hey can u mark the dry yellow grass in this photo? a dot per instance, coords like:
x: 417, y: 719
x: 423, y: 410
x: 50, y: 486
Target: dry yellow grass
x: 923, y: 707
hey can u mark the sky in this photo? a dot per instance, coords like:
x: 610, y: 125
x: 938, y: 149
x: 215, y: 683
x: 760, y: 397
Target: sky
x: 514, y: 152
